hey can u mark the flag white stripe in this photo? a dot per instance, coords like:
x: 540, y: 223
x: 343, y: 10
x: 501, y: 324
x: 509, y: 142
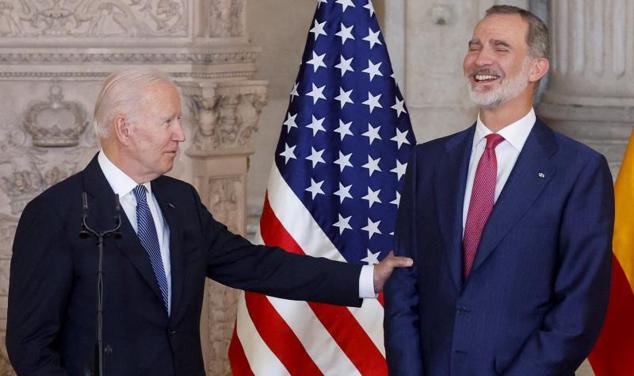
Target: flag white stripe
x: 298, y: 222
x: 370, y: 317
x: 261, y: 359
x: 315, y: 338
x: 321, y: 347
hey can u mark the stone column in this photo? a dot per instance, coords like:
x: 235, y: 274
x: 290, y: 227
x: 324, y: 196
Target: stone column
x: 591, y: 96
x: 224, y: 117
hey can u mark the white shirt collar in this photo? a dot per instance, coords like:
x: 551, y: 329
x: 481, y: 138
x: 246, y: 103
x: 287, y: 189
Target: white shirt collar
x: 515, y: 133
x: 120, y: 183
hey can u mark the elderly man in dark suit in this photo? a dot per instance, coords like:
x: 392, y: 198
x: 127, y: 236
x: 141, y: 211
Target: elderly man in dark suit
x: 509, y: 225
x: 154, y: 272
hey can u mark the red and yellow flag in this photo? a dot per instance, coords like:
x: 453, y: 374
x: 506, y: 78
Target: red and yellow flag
x: 613, y: 354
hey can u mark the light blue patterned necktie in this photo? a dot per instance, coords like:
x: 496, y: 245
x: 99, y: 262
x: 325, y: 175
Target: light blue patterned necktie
x: 147, y: 235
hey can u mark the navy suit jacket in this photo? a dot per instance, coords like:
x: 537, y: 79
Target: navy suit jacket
x: 52, y: 294
x: 537, y: 294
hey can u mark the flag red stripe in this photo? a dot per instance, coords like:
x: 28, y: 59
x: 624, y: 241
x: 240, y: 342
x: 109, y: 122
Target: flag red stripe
x: 279, y: 337
x: 237, y: 359
x: 339, y: 322
x: 613, y: 352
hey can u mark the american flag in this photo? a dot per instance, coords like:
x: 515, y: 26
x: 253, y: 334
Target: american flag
x: 333, y: 192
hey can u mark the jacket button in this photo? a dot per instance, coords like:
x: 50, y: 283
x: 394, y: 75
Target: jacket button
x: 172, y: 332
x: 107, y: 350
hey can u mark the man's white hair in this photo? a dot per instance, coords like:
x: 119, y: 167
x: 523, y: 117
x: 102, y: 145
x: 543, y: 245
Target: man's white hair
x: 121, y: 94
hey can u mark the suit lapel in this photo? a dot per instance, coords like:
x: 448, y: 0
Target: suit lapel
x: 177, y: 261
x: 531, y: 173
x: 449, y: 186
x: 101, y: 204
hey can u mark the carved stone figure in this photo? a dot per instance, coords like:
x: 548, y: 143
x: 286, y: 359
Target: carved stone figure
x: 56, y: 122
x: 103, y: 18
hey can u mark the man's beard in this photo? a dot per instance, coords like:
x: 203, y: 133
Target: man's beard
x: 507, y: 90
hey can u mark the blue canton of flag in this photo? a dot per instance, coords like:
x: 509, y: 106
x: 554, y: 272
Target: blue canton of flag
x: 347, y: 136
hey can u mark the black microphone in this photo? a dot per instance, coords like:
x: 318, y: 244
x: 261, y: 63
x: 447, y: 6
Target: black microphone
x: 117, y: 217
x: 83, y: 232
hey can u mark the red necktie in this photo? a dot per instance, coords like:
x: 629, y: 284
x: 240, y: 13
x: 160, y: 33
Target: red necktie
x: 481, y: 203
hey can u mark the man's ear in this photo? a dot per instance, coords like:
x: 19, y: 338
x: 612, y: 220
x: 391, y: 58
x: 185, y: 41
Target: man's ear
x: 121, y: 129
x: 539, y: 68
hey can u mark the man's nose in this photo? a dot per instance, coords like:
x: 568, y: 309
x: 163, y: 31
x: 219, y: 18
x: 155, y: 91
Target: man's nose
x: 179, y: 132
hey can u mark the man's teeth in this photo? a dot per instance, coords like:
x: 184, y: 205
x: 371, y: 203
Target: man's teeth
x: 485, y: 77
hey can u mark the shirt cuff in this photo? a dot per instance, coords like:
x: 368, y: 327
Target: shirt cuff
x: 366, y: 282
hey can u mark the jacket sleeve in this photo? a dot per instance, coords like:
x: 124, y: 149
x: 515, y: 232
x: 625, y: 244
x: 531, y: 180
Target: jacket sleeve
x: 235, y: 262
x: 581, y: 287
x: 39, y: 285
x: 401, y: 321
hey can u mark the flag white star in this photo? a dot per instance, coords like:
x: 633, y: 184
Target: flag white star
x: 373, y: 37
x: 343, y: 224
x: 400, y: 138
x: 397, y: 200
x: 344, y: 97
x: 372, y: 228
x: 372, y: 165
x: 290, y: 122
x: 372, y: 133
x: 319, y: 2
x: 373, y: 69
x: 318, y: 29
x: 344, y: 129
x: 372, y: 197
x: 399, y: 170
x: 371, y: 258
x: 316, y: 125
x: 345, y: 33
x: 315, y: 188
x: 343, y: 192
x: 399, y: 107
x: 369, y: 6
x: 343, y: 161
x: 372, y: 102
x: 288, y: 153
x: 345, y: 4
x: 317, y: 61
x: 345, y: 65
x: 318, y: 93
x: 316, y: 156
x: 294, y: 92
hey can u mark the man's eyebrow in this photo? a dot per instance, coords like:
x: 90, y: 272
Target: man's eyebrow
x: 502, y: 43
x: 475, y: 41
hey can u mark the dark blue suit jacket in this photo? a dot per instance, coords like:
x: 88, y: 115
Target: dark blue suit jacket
x: 52, y: 294
x: 537, y: 294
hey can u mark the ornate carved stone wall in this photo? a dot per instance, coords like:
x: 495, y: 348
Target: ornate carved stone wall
x: 54, y: 55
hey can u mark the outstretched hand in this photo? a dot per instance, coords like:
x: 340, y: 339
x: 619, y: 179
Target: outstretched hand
x: 383, y: 270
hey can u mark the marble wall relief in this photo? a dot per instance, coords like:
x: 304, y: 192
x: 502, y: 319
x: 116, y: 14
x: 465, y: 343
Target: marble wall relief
x: 86, y: 18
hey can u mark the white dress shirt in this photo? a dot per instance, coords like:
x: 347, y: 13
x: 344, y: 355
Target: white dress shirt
x: 123, y: 185
x: 515, y: 135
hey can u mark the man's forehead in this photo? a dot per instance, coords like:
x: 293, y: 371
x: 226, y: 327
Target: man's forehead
x: 504, y: 27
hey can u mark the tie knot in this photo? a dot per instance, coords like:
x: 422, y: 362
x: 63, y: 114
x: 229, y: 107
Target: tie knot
x: 493, y: 140
x: 139, y: 193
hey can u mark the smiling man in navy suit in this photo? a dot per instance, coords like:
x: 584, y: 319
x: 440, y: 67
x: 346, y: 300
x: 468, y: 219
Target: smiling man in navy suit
x: 154, y: 272
x: 509, y: 225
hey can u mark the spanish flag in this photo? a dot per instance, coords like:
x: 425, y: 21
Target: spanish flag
x: 613, y: 353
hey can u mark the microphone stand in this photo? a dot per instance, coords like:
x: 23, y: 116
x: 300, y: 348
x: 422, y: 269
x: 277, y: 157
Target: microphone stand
x: 85, y: 232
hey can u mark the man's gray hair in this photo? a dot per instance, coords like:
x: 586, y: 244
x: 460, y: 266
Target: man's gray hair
x: 537, y: 38
x: 121, y: 94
